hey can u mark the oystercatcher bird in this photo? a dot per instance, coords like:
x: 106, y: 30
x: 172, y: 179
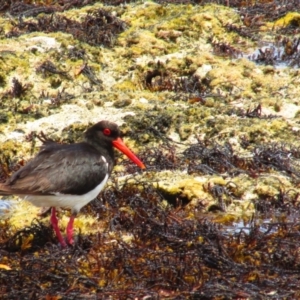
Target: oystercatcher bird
x: 69, y: 175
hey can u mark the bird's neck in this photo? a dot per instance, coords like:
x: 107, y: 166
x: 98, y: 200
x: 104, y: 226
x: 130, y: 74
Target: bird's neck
x: 105, y: 149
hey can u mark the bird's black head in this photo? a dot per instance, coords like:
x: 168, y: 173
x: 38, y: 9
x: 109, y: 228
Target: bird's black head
x: 103, y: 132
x: 105, y: 135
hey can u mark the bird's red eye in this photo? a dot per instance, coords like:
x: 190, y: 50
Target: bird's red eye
x: 107, y: 132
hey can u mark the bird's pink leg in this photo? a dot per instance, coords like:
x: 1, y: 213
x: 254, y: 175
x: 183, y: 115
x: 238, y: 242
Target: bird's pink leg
x: 54, y: 223
x: 70, y: 230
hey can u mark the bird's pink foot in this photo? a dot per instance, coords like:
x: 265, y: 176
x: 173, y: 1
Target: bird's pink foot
x: 54, y: 223
x: 70, y: 230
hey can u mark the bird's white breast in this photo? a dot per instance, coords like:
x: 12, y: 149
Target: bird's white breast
x: 75, y: 202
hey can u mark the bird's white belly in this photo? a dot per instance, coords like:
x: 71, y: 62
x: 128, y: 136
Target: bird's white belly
x: 75, y: 202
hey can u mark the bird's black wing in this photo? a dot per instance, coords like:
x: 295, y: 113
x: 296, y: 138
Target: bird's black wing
x: 68, y: 169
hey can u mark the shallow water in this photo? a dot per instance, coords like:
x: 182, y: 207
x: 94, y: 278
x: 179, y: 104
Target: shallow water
x: 265, y: 223
x: 6, y: 206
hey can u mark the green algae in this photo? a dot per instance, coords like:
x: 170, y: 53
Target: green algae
x: 290, y: 19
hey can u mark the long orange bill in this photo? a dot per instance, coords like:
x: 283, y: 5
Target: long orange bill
x: 119, y: 144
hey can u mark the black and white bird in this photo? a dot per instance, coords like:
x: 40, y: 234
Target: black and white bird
x: 69, y: 175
